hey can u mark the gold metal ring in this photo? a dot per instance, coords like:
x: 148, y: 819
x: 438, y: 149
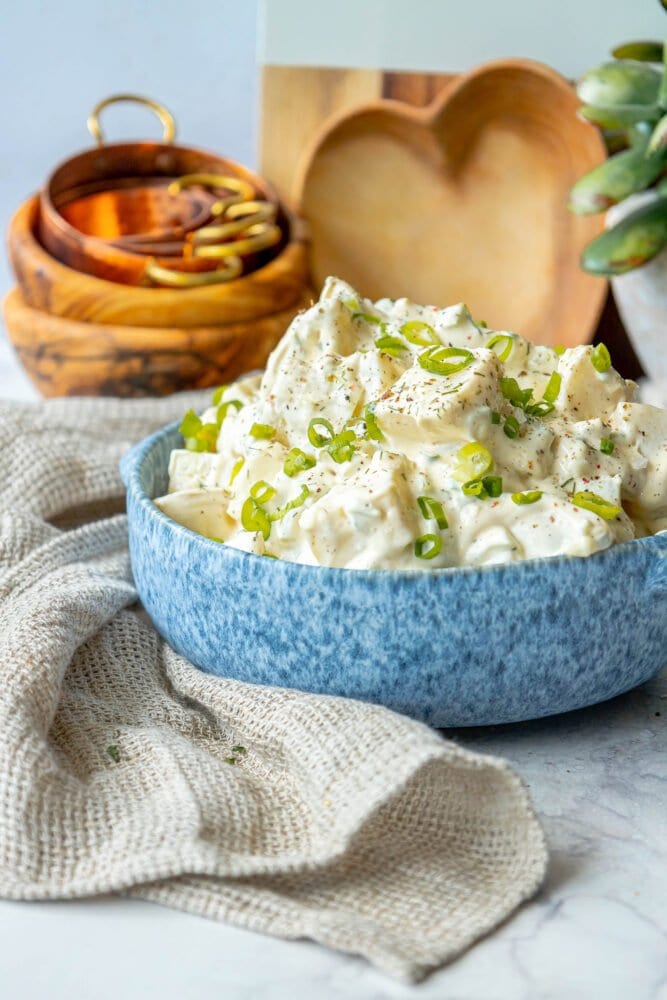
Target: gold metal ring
x: 165, y: 116
x: 245, y: 214
x: 192, y: 279
x: 256, y: 238
x: 240, y: 187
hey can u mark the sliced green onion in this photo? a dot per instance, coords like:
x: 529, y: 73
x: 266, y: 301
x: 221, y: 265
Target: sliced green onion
x: 607, y: 446
x: 495, y: 417
x: 530, y: 496
x: 190, y: 424
x: 559, y: 349
x: 502, y: 338
x: 224, y: 407
x: 597, y: 504
x: 601, y: 358
x: 373, y: 429
x: 236, y: 469
x: 263, y: 432
x: 367, y: 317
x: 262, y: 491
x: 512, y: 391
x: 433, y: 360
x: 198, y: 436
x: 493, y: 485
x: 553, y: 388
x: 341, y: 447
x: 428, y: 546
x: 539, y: 409
x: 255, y: 518
x: 475, y: 488
x: 391, y: 345
x: 473, y: 461
x: 511, y: 427
x: 352, y: 305
x: 218, y: 393
x: 419, y: 333
x: 316, y: 438
x: 291, y: 505
x: 297, y: 461
x: 431, y: 508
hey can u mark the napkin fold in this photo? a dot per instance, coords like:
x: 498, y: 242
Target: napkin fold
x: 123, y: 768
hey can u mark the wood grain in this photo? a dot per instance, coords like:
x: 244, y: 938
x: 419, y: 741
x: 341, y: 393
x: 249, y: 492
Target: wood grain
x: 465, y: 200
x: 64, y: 357
x: 52, y: 287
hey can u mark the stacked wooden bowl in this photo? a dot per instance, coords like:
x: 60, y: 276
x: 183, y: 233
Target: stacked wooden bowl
x: 88, y: 317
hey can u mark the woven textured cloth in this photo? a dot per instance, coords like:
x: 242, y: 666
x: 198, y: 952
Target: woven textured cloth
x: 125, y: 769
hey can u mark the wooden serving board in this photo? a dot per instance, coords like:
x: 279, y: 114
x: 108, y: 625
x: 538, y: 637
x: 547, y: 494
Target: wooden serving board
x: 457, y: 197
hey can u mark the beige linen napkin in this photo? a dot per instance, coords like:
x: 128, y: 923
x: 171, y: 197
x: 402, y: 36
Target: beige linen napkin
x: 123, y: 768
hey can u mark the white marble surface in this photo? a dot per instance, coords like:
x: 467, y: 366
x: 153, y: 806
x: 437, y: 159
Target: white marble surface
x: 597, y: 931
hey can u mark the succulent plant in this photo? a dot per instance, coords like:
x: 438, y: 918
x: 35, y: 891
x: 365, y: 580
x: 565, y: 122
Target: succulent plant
x: 627, y: 99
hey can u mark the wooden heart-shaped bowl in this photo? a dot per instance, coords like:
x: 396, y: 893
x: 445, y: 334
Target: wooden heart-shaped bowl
x: 465, y: 200
x: 64, y: 357
x: 52, y: 287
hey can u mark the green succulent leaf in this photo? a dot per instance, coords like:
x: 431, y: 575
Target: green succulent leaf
x: 624, y: 82
x: 641, y: 51
x: 621, y: 175
x: 620, y: 115
x: 658, y: 140
x: 632, y: 242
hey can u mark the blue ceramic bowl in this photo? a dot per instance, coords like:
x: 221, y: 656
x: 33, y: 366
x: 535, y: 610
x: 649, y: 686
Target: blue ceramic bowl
x: 453, y: 647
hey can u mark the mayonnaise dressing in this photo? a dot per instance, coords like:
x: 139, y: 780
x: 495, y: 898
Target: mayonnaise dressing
x: 583, y: 469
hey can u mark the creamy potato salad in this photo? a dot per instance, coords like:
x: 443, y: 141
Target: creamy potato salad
x: 389, y: 435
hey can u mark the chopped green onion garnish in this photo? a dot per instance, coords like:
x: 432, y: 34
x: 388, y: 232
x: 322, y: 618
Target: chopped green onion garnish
x: 262, y: 491
x: 431, y: 508
x: 607, y: 446
x: 539, y: 409
x: 475, y: 488
x: 495, y: 417
x: 473, y: 461
x: 601, y: 358
x: 236, y: 469
x: 198, y: 436
x: 530, y: 496
x: 373, y: 429
x: 291, y: 505
x: 512, y: 391
x: 419, y: 333
x: 263, y: 432
x: 255, y: 518
x: 493, y: 485
x: 297, y: 461
x: 559, y: 349
x: 218, y: 393
x: 366, y: 316
x: 428, y: 546
x: 553, y: 388
x: 597, y: 504
x: 511, y: 427
x: 390, y: 345
x: 433, y: 360
x: 352, y: 305
x: 502, y: 338
x: 317, y: 439
x: 341, y: 447
x: 224, y: 407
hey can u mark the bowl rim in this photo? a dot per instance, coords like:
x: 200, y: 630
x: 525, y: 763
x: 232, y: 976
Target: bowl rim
x: 131, y: 467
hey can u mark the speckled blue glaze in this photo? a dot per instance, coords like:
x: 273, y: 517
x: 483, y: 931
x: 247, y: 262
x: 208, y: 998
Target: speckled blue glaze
x: 453, y: 647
